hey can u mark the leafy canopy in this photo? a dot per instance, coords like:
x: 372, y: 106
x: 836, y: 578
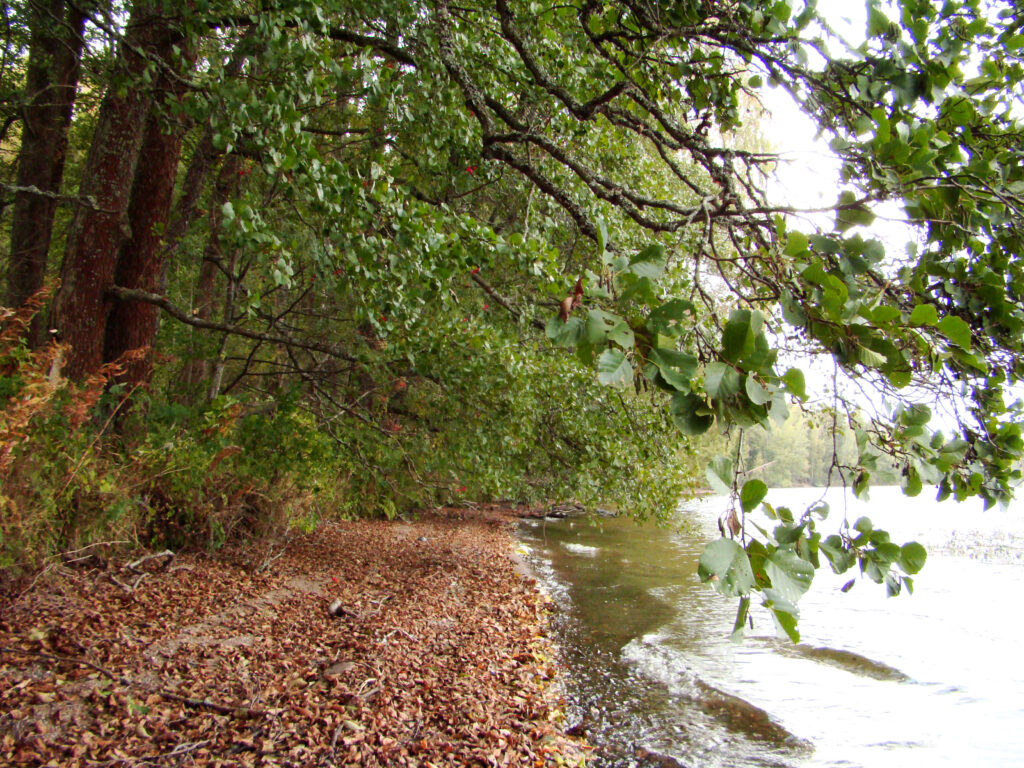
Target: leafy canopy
x: 621, y: 125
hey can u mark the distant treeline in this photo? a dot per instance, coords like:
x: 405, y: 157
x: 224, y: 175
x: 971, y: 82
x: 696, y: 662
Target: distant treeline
x: 799, y: 452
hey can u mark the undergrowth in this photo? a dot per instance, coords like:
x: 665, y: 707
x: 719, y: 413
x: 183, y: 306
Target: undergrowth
x: 89, y: 462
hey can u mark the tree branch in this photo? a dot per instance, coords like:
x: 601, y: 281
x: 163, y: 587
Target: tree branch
x: 127, y: 294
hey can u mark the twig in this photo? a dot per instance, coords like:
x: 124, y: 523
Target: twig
x: 127, y: 294
x: 401, y: 632
x: 65, y: 555
x: 362, y: 686
x: 71, y: 659
x: 120, y: 583
x: 269, y: 560
x: 89, y: 450
x: 181, y: 749
x: 223, y: 709
x: 134, y: 564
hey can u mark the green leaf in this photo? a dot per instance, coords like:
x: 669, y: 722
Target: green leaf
x: 794, y: 381
x: 753, y: 493
x: 668, y: 318
x: 783, y: 613
x: 791, y: 575
x: 721, y: 380
x: 756, y: 392
x: 738, y: 335
x: 838, y: 556
x: 622, y: 335
x: 857, y: 215
x: 613, y: 369
x: 878, y: 22
x: 924, y: 314
x: 640, y: 290
x: 917, y: 415
x: 912, y: 557
x: 740, y: 623
x: 598, y: 325
x: 883, y: 314
x: 911, y: 482
x: 725, y: 564
x: 601, y: 326
x: 565, y: 334
x: 649, y: 263
x: 871, y: 358
x: 956, y: 330
x: 796, y: 244
x: 690, y: 414
x: 861, y: 484
x: 719, y: 474
x: 677, y: 368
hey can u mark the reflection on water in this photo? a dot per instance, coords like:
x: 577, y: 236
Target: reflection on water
x: 929, y: 679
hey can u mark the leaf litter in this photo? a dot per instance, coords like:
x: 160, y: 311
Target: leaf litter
x: 434, y: 654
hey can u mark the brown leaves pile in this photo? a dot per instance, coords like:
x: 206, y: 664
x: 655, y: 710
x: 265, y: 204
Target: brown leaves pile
x: 437, y: 657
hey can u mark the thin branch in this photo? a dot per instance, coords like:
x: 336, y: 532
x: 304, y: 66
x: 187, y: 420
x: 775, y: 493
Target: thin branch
x: 489, y: 290
x: 87, y: 201
x: 128, y: 294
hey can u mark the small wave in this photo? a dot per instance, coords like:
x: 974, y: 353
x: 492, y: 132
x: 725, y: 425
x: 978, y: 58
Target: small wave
x: 845, y: 660
x: 655, y: 661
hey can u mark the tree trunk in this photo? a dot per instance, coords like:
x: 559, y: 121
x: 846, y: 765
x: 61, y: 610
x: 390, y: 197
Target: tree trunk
x: 141, y: 263
x: 51, y: 82
x: 97, y: 234
x: 130, y: 324
x: 203, y: 159
x: 199, y: 367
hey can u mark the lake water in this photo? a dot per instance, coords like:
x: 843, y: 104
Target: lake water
x: 930, y: 679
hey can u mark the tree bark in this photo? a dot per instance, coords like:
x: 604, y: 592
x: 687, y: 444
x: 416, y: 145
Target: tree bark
x: 132, y: 325
x: 97, y: 235
x: 141, y: 262
x: 51, y: 82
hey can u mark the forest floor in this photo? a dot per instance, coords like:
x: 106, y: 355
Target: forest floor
x: 437, y: 655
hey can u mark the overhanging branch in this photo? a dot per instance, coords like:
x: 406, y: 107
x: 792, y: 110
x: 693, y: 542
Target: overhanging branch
x: 128, y: 294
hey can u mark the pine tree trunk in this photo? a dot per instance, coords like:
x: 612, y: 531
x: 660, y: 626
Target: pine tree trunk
x: 51, y: 82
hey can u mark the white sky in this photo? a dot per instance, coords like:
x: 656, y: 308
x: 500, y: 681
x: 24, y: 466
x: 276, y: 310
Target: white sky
x: 809, y: 178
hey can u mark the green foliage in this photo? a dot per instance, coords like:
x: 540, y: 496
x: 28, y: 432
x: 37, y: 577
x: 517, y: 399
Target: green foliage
x: 405, y: 193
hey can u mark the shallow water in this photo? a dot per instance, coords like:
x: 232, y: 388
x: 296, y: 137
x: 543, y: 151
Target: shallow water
x: 932, y: 678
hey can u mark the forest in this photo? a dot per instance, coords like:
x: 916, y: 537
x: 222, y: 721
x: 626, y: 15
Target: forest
x: 270, y: 263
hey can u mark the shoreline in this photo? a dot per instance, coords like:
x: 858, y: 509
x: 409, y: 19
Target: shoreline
x: 437, y: 654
